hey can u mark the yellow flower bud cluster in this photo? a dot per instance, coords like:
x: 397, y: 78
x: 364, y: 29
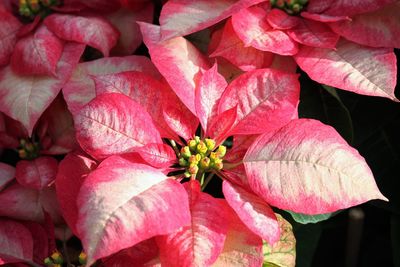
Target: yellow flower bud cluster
x: 82, y: 258
x: 28, y: 149
x: 55, y: 260
x: 292, y: 7
x: 30, y: 8
x: 201, y: 156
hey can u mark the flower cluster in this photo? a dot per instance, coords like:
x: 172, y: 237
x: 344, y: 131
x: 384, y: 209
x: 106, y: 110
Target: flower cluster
x: 120, y: 127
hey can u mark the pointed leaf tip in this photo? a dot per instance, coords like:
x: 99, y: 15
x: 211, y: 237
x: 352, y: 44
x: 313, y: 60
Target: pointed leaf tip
x: 352, y: 67
x: 208, y: 92
x: 178, y: 61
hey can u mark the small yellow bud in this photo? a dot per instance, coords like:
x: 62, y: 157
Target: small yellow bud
x: 48, y: 261
x: 194, y: 159
x: 221, y: 151
x: 82, y: 258
x: 57, y: 257
x: 185, y: 152
x: 22, y: 153
x: 198, y: 158
x: 210, y: 144
x: 193, y: 169
x: 192, y: 145
x: 183, y: 162
x: 46, y: 2
x: 29, y: 147
x: 218, y: 165
x: 201, y: 148
x: 217, y: 160
x: 280, y: 3
x: 213, y: 156
x: 296, y: 8
x: 34, y: 5
x: 205, y: 163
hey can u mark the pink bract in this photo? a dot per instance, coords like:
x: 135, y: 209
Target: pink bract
x: 38, y: 173
x: 80, y: 88
x: 97, y: 32
x: 37, y: 53
x: 24, y: 98
x: 130, y: 213
x: 314, y: 164
x: 7, y: 173
x: 100, y: 134
x: 181, y: 17
x: 203, y: 240
x: 16, y: 242
x: 71, y: 173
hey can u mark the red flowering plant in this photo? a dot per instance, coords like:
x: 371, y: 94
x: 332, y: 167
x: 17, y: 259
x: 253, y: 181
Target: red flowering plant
x: 29, y: 208
x: 42, y: 41
x: 322, y: 36
x: 179, y: 159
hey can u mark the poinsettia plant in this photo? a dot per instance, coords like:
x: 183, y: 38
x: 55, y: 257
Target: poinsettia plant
x: 126, y: 142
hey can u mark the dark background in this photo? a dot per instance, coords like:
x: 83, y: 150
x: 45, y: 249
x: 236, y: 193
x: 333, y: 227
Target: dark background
x: 371, y: 125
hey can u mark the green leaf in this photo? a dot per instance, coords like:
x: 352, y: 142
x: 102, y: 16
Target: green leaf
x: 270, y: 264
x: 283, y: 252
x: 304, y: 218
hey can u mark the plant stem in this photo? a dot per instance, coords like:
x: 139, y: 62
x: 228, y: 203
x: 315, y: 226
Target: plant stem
x: 175, y: 147
x: 202, y: 179
x: 228, y: 166
x: 66, y: 251
x: 208, y: 179
x: 34, y: 264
